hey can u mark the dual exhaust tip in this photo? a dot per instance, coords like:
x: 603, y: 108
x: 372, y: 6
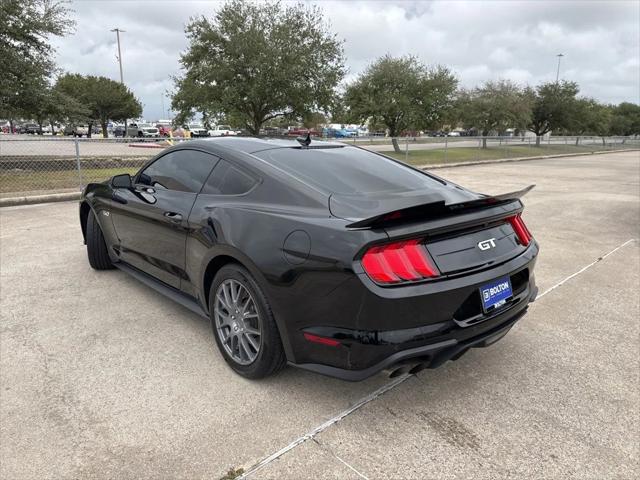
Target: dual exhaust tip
x: 406, y: 368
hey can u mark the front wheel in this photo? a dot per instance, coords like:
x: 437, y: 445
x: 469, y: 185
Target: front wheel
x: 96, y: 246
x: 243, y: 324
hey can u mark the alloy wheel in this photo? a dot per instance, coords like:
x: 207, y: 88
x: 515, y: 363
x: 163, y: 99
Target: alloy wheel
x: 237, y: 321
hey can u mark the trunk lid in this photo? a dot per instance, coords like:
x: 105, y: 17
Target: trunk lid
x: 461, y: 230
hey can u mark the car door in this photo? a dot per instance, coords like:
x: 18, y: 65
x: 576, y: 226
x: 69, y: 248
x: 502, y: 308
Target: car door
x: 227, y: 184
x: 150, y: 219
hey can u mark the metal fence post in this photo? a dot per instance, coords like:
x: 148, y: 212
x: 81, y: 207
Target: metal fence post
x: 78, y: 164
x: 446, y: 147
x: 406, y: 150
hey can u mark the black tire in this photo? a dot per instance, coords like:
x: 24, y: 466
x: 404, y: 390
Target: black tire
x: 96, y: 246
x: 270, y: 358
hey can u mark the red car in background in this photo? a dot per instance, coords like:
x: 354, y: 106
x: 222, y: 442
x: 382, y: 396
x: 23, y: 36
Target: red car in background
x: 164, y: 129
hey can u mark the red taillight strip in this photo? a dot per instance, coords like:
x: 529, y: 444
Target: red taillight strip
x: 521, y: 230
x: 399, y: 261
x: 377, y: 267
x: 420, y: 260
x: 321, y: 340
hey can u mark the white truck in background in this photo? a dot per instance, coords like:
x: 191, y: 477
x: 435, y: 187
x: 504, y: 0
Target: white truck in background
x: 222, y: 131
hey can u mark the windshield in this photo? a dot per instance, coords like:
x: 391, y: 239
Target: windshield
x: 347, y: 170
x: 224, y: 127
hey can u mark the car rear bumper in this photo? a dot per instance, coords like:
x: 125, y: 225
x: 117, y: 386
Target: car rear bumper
x: 405, y: 356
x: 420, y: 330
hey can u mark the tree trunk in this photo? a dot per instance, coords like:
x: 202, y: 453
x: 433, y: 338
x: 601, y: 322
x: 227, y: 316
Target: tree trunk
x: 484, y: 138
x: 255, y: 128
x: 396, y: 146
x: 538, y: 137
x: 603, y: 142
x: 89, y: 128
x: 577, y: 140
x: 53, y: 128
x: 11, y: 126
x: 40, y: 127
x: 105, y: 134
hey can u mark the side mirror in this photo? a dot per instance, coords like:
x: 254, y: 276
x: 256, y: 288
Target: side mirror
x: 121, y: 181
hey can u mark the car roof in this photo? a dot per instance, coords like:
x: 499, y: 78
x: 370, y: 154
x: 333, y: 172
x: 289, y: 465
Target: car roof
x: 251, y: 145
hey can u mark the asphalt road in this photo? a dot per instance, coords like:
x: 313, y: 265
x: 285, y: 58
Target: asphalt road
x: 103, y: 378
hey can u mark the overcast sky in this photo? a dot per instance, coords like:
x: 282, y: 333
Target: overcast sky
x: 478, y: 40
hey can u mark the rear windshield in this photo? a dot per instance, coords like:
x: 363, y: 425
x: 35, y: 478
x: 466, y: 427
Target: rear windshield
x: 347, y: 170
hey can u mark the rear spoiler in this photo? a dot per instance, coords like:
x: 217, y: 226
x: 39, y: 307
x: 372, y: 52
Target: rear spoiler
x: 436, y: 209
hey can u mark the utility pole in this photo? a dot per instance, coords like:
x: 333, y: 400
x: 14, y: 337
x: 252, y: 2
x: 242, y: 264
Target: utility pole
x: 560, y: 55
x: 117, y: 30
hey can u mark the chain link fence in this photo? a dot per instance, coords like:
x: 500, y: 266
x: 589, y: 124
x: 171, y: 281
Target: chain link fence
x: 32, y: 166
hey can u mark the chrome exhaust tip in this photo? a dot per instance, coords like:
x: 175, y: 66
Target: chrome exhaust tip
x: 418, y: 367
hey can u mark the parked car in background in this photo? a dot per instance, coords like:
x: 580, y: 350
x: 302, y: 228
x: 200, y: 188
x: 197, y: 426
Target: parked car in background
x: 119, y: 131
x: 142, y: 130
x: 197, y: 130
x: 164, y: 129
x: 222, y: 131
x: 81, y: 130
x: 29, y: 128
x: 273, y: 131
x: 453, y: 134
x: 337, y: 133
x: 302, y: 132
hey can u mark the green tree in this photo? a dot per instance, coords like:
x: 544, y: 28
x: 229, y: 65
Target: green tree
x: 589, y: 118
x: 494, y: 107
x: 105, y: 99
x: 625, y: 119
x: 553, y: 107
x: 402, y: 94
x: 259, y: 61
x: 25, y: 53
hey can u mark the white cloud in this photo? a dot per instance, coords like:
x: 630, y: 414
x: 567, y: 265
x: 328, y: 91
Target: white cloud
x: 478, y: 40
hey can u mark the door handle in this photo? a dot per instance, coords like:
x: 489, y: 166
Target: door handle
x: 173, y: 216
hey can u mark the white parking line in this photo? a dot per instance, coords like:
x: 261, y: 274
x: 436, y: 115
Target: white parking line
x: 312, y: 433
x: 385, y: 388
x: 583, y: 269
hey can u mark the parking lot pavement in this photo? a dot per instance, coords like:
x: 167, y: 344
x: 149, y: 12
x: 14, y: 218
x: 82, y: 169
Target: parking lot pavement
x: 102, y: 377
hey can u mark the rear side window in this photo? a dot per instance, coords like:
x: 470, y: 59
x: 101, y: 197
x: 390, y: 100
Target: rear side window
x: 227, y: 179
x: 181, y: 170
x: 347, y: 170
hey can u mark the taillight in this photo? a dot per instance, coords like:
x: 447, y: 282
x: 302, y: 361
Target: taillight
x: 398, y: 262
x: 522, y: 232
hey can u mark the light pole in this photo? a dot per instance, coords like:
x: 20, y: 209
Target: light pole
x: 560, y: 55
x: 117, y: 30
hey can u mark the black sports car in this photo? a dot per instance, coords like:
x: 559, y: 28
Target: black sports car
x: 328, y: 257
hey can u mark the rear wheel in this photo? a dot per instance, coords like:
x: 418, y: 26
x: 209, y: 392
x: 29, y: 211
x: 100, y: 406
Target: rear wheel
x: 243, y: 324
x: 96, y: 246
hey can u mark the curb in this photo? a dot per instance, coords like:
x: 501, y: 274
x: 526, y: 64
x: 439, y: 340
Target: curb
x: 31, y: 199
x: 520, y: 159
x: 148, y: 145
